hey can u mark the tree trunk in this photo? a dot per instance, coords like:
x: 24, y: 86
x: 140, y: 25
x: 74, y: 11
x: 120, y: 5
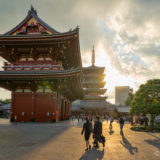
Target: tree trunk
x: 152, y: 121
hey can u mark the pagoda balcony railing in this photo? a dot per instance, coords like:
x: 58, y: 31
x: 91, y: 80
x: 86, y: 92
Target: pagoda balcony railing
x: 53, y: 62
x: 11, y: 67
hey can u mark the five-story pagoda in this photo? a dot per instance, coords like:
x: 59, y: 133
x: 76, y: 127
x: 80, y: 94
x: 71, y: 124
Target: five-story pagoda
x: 43, y: 70
x: 93, y: 85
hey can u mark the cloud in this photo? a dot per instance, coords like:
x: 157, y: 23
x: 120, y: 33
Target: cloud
x: 137, y: 38
x: 127, y: 30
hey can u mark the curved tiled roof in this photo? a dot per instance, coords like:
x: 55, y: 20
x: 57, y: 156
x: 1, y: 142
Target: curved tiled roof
x: 93, y: 67
x: 32, y: 13
x: 48, y: 73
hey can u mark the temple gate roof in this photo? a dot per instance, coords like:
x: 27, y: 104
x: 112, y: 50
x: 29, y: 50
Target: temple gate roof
x: 32, y: 21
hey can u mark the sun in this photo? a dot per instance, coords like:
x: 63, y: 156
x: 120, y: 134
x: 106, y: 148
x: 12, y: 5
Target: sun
x: 112, y: 76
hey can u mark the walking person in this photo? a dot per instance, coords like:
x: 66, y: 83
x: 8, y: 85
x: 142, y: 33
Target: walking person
x: 87, y: 129
x: 107, y: 118
x: 111, y: 121
x: 146, y: 121
x: 97, y: 132
x: 121, y: 123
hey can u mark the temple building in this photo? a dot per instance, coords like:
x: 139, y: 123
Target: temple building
x: 43, y: 70
x: 93, y: 86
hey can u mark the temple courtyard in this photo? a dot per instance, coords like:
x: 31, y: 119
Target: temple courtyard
x: 63, y: 141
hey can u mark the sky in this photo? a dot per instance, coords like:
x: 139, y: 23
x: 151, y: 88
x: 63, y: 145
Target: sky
x: 125, y: 33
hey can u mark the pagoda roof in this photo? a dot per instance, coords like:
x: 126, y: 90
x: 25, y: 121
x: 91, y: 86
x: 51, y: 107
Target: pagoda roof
x: 25, y: 37
x: 22, y: 75
x: 93, y: 68
x: 32, y: 13
x: 69, y: 80
x: 66, y: 46
x: 94, y: 84
x: 94, y: 75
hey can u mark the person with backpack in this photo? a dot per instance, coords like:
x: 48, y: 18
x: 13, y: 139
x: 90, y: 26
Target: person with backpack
x: 121, y: 123
x: 97, y: 132
x: 87, y: 130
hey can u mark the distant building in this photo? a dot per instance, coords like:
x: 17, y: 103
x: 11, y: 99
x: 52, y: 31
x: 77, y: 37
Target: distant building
x: 5, y: 110
x: 121, y: 94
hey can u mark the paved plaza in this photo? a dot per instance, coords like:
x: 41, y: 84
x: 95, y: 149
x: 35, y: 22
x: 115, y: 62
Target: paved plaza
x: 63, y: 141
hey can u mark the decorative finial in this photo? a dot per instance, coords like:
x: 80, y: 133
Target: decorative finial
x: 32, y: 10
x: 93, y: 56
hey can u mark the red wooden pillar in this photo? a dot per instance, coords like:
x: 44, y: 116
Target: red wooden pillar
x: 12, y: 107
x: 63, y: 109
x: 60, y: 106
x: 56, y: 105
x: 66, y: 110
x: 69, y: 110
x: 33, y: 114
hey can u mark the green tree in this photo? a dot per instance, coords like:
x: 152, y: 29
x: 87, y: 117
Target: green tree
x: 6, y: 101
x: 129, y: 98
x: 147, y: 100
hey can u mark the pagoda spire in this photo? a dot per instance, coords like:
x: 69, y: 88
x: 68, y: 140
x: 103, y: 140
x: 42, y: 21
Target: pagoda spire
x: 32, y: 10
x: 93, y: 56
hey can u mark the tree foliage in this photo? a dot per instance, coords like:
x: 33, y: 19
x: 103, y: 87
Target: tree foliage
x: 147, y: 99
x: 129, y: 98
x: 6, y: 101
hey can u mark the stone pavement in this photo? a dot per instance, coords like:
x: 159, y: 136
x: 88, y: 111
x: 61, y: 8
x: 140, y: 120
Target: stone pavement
x: 63, y: 141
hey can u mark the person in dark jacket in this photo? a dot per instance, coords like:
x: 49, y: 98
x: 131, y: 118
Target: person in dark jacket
x: 87, y: 129
x: 146, y: 121
x: 97, y: 131
x: 121, y: 123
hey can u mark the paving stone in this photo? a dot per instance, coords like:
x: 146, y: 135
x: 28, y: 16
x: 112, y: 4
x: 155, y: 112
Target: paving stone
x: 63, y: 141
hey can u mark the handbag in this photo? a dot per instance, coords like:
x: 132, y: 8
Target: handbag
x: 102, y: 139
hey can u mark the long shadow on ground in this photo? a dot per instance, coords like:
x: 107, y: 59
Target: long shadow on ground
x: 19, y: 140
x: 111, y: 131
x: 128, y: 145
x: 155, y: 142
x: 93, y: 154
